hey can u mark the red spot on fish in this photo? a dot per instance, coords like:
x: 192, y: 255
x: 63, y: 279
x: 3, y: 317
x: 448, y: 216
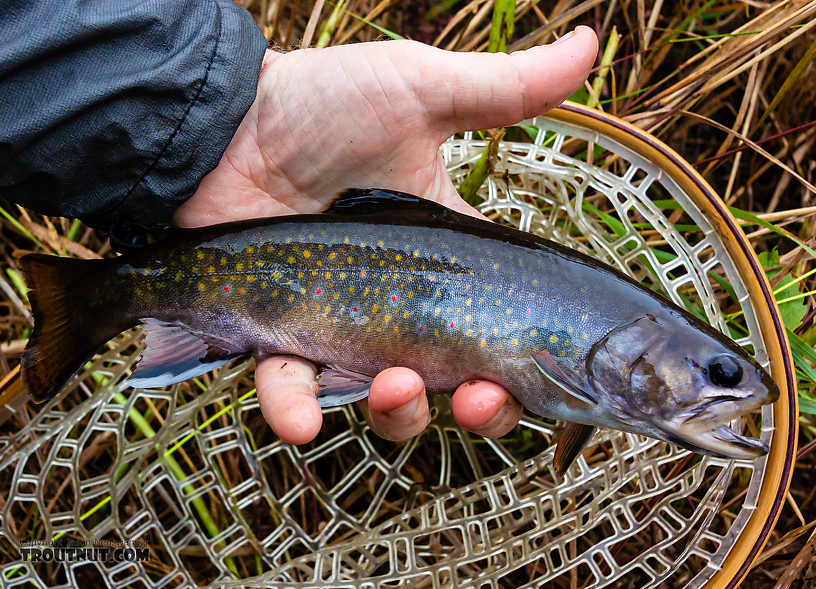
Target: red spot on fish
x: 452, y: 324
x: 318, y: 291
x: 421, y: 305
x: 484, y: 316
x: 393, y: 298
x: 355, y: 309
x: 529, y: 312
x: 451, y: 294
x: 421, y: 329
x: 226, y: 289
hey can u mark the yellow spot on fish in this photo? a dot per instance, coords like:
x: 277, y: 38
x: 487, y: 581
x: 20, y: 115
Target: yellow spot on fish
x: 263, y: 284
x: 410, y: 294
x: 307, y: 254
x: 375, y: 308
x: 201, y: 286
x: 453, y: 260
x: 415, y: 253
x: 514, y: 342
x: 362, y: 273
x: 275, y: 293
x: 585, y: 316
x: 405, y: 314
x: 533, y: 332
x: 380, y: 243
x: 200, y: 255
x: 469, y: 332
x: 396, y: 329
x: 255, y: 300
x: 584, y: 335
x: 290, y: 260
x: 194, y: 269
x: 350, y: 260
x: 178, y: 276
x: 290, y: 298
x: 468, y: 302
x: 508, y: 310
x: 437, y: 311
x: 242, y: 290
x: 398, y: 257
x: 562, y: 353
x: 239, y: 266
x: 314, y: 272
x: 342, y: 275
x: 468, y: 317
x: 326, y: 309
x: 382, y: 263
x: 276, y: 275
x: 223, y: 260
x: 498, y: 303
x: 269, y: 249
x: 250, y: 278
x: 332, y: 255
x: 288, y: 240
x: 483, y: 344
x: 250, y: 249
x: 327, y: 275
x: 351, y: 289
x: 534, y: 282
x: 366, y: 290
x: 336, y: 296
x: 553, y: 339
x: 496, y: 266
x: 495, y: 331
x: 211, y: 269
x: 345, y: 240
x: 386, y: 318
x: 300, y: 274
x: 302, y: 290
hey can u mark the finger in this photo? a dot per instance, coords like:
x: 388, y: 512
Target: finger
x: 397, y: 407
x: 485, y: 408
x: 462, y: 91
x: 286, y: 394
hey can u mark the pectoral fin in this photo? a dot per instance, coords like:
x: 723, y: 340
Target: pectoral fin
x: 573, y: 394
x: 573, y: 440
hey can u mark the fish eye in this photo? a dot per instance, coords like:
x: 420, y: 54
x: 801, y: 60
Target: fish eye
x: 724, y: 371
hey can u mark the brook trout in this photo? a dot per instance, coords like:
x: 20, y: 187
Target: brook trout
x: 388, y: 279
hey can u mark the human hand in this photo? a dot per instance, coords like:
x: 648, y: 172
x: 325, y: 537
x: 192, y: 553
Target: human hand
x: 374, y: 115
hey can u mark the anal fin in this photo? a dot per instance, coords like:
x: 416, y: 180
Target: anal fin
x: 175, y: 353
x: 573, y: 440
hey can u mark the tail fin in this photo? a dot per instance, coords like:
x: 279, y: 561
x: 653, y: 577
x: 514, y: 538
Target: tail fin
x: 66, y: 333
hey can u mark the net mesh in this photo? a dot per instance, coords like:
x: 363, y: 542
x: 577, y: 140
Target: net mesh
x: 195, y: 473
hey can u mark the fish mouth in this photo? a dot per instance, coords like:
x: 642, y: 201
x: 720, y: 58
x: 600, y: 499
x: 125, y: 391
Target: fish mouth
x: 721, y: 442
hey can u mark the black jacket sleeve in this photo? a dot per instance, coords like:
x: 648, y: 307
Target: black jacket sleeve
x: 113, y: 110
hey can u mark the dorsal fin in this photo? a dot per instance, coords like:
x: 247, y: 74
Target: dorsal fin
x: 368, y: 201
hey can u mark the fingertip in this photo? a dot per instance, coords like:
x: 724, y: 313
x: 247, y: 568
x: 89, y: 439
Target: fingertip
x: 485, y: 408
x: 286, y: 395
x: 397, y: 407
x: 393, y: 388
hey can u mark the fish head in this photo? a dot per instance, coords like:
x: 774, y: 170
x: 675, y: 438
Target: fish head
x: 681, y: 381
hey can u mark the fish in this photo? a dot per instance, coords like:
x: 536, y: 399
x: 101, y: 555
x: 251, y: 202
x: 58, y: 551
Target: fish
x: 384, y: 278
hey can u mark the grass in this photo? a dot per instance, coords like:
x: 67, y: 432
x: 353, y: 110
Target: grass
x: 726, y: 84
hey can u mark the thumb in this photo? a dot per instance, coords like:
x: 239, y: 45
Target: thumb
x: 464, y: 91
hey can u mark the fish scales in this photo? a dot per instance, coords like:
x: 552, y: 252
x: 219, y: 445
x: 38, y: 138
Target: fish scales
x: 454, y: 298
x: 451, y: 305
